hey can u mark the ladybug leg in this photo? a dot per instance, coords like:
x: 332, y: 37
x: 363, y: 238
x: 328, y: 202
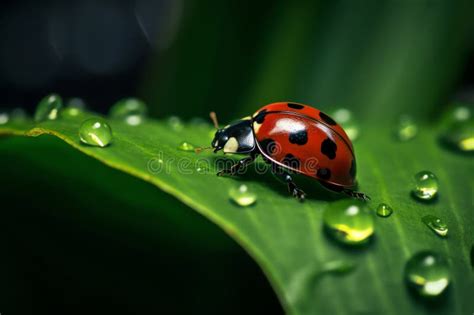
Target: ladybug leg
x: 285, y: 177
x: 237, y: 166
x: 356, y: 194
x: 347, y: 192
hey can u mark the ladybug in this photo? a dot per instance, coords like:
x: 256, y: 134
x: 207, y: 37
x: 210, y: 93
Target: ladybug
x: 292, y: 138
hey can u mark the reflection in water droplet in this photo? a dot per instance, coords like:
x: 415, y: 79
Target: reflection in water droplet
x: 48, y: 108
x: 384, y: 210
x: 406, y: 129
x: 132, y: 110
x: 186, y: 146
x: 425, y: 186
x: 427, y: 273
x: 436, y: 224
x: 349, y: 222
x: 95, y: 132
x: 242, y: 196
x: 175, y: 123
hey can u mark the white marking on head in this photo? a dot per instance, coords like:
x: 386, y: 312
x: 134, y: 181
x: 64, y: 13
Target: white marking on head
x: 231, y: 146
x: 256, y: 126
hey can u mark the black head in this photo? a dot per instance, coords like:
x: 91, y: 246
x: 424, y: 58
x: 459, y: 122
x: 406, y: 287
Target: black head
x: 235, y: 138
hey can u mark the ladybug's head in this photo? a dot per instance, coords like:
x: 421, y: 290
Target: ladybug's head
x: 235, y: 138
x: 220, y: 139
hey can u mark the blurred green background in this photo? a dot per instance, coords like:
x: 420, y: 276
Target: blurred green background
x: 77, y: 244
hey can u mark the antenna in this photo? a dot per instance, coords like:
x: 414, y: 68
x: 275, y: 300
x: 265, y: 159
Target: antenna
x: 199, y: 150
x: 214, y: 119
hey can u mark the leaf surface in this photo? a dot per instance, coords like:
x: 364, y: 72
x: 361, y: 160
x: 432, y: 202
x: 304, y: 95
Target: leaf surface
x: 286, y: 238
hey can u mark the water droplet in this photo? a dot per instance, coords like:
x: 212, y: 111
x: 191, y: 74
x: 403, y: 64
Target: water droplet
x: 133, y: 111
x: 384, y: 210
x: 186, y: 146
x: 349, y: 222
x: 18, y: 115
x: 426, y: 185
x: 462, y: 113
x: 202, y: 169
x: 175, y: 123
x: 406, y: 129
x: 48, y: 108
x: 342, y: 115
x: 74, y: 107
x: 242, y: 196
x: 199, y: 122
x: 338, y: 266
x: 427, y: 273
x: 4, y: 117
x: 76, y: 102
x: 352, y: 131
x: 345, y: 118
x: 460, y: 136
x: 436, y: 224
x: 457, y: 112
x: 95, y: 132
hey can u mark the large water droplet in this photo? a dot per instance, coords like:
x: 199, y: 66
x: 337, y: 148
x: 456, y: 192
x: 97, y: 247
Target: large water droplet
x: 459, y: 136
x: 175, y: 123
x: 425, y: 185
x: 436, y: 224
x: 95, y: 132
x: 349, y: 222
x: 186, y: 146
x: 406, y: 129
x: 345, y: 118
x: 242, y: 196
x: 48, y: 108
x: 427, y: 273
x: 132, y: 110
x: 384, y: 210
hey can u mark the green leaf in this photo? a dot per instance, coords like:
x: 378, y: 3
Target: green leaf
x: 286, y: 238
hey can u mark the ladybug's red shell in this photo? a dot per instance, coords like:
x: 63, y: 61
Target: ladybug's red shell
x: 307, y: 141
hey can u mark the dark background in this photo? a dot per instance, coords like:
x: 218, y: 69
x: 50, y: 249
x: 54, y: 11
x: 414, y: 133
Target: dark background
x: 186, y: 58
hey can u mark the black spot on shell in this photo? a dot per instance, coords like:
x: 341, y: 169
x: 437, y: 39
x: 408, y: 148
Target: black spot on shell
x: 324, y: 173
x: 352, y: 171
x: 295, y: 106
x: 299, y: 137
x: 291, y: 161
x: 328, y: 148
x: 328, y: 120
x: 268, y: 146
x: 260, y: 117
